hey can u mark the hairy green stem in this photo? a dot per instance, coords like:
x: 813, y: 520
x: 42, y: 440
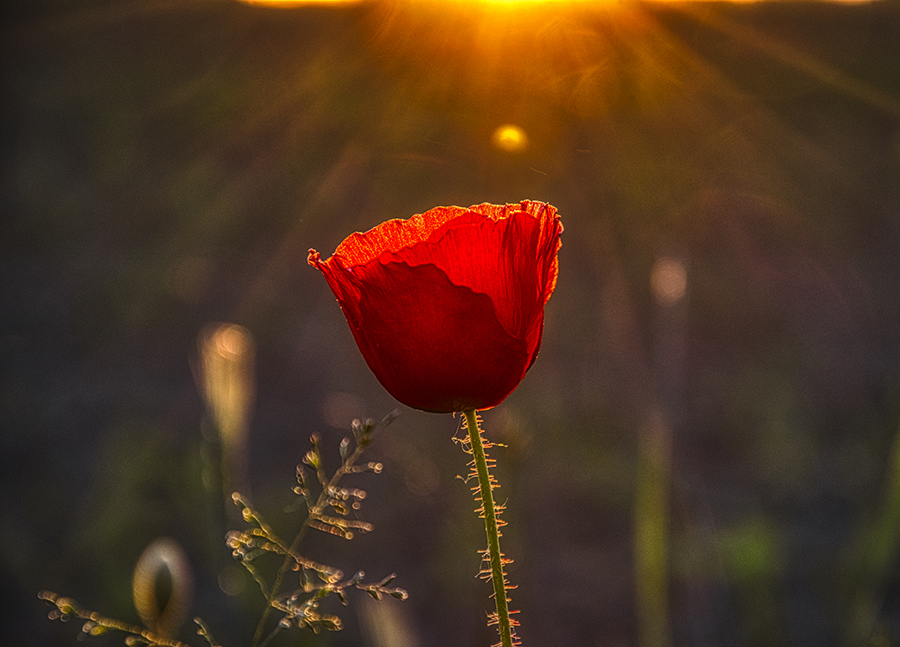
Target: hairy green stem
x: 490, y: 525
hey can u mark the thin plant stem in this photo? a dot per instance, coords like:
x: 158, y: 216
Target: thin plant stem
x: 490, y: 526
x: 279, y: 579
x: 68, y: 608
x: 345, y: 468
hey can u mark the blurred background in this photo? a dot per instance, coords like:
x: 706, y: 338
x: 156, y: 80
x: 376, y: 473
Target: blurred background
x: 706, y: 451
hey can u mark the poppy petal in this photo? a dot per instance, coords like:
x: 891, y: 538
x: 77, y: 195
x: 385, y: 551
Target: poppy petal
x: 436, y: 350
x: 447, y: 307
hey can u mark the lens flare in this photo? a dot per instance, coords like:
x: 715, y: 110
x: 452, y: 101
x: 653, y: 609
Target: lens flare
x: 510, y: 138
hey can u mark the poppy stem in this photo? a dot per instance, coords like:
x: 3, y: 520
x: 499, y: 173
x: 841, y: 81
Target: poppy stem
x: 486, y: 484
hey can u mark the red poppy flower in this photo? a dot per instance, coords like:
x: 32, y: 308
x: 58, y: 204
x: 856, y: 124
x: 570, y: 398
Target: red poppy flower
x: 447, y: 307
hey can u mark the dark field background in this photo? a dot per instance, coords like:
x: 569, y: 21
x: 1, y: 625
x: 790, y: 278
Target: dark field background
x: 168, y: 164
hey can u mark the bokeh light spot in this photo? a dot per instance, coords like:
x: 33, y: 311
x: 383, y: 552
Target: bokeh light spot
x: 422, y: 476
x: 232, y: 581
x: 510, y: 138
x: 669, y: 281
x: 339, y: 409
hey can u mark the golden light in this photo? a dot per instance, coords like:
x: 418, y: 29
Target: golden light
x: 300, y: 3
x: 509, y: 138
x: 287, y: 4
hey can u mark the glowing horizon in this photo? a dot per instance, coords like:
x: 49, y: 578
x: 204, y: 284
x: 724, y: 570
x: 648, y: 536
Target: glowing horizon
x: 579, y: 3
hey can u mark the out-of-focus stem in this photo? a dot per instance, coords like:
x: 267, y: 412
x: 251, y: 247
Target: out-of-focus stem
x: 490, y: 526
x: 651, y: 534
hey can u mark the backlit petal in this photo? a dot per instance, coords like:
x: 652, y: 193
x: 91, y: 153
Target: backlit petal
x: 447, y: 307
